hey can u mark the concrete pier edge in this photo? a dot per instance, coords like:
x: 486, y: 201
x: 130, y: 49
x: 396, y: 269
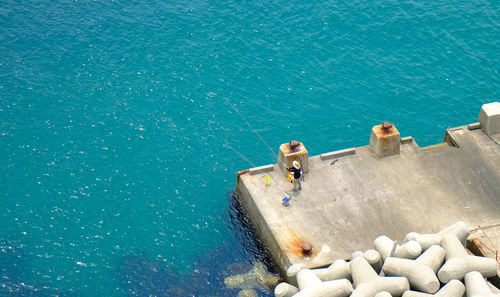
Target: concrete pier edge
x: 462, y: 173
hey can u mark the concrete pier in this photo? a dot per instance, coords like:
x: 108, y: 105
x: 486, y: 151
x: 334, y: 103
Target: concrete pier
x: 351, y: 197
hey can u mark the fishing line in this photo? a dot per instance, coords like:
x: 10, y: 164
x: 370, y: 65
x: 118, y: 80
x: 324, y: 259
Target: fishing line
x: 261, y: 170
x: 251, y: 127
x: 240, y: 154
x: 262, y: 139
x: 257, y: 133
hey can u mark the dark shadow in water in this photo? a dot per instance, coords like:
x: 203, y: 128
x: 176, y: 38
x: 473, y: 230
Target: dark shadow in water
x: 244, y: 229
x: 11, y: 283
x: 141, y: 276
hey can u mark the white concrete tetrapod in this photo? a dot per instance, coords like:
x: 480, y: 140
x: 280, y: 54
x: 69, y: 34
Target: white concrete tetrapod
x: 311, y: 286
x: 458, y: 262
x: 339, y: 269
x: 372, y: 257
x: 333, y: 288
x: 368, y: 283
x: 383, y: 294
x: 285, y: 290
x: 409, y: 250
x: 493, y: 288
x: 292, y: 271
x: 421, y: 272
x: 307, y: 278
x: 476, y: 286
x: 459, y: 229
x: 453, y: 288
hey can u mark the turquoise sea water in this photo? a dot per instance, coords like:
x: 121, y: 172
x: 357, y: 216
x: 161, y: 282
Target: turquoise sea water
x: 115, y: 122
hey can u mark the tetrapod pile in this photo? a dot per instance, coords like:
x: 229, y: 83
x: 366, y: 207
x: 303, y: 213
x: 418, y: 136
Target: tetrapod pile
x: 424, y: 265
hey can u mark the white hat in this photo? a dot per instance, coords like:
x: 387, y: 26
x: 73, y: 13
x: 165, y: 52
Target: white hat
x: 296, y: 164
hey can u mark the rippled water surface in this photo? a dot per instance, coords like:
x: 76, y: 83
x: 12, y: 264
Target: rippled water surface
x: 116, y: 125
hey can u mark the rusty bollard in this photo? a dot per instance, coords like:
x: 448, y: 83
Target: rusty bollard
x: 306, y: 248
x: 385, y: 140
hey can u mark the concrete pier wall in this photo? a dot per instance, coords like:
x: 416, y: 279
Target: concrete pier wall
x: 351, y: 197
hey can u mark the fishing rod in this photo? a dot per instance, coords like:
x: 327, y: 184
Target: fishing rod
x: 260, y: 170
x: 261, y: 138
x: 257, y: 133
x: 251, y: 127
x: 251, y: 163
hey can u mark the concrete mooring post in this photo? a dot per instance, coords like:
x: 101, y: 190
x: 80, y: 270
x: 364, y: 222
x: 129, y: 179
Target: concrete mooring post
x: 385, y: 140
x: 293, y: 151
x: 489, y: 118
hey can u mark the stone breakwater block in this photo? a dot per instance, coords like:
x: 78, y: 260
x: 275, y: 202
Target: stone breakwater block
x: 257, y: 275
x: 476, y: 286
x: 489, y: 118
x: 459, y: 263
x: 285, y: 290
x: 409, y: 250
x: 385, y: 142
x: 421, y: 272
x: 372, y: 257
x: 459, y: 229
x: 311, y: 286
x: 383, y: 294
x: 339, y: 269
x: 368, y: 283
x: 453, y: 288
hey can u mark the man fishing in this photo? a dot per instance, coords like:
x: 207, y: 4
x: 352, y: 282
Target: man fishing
x: 296, y: 174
